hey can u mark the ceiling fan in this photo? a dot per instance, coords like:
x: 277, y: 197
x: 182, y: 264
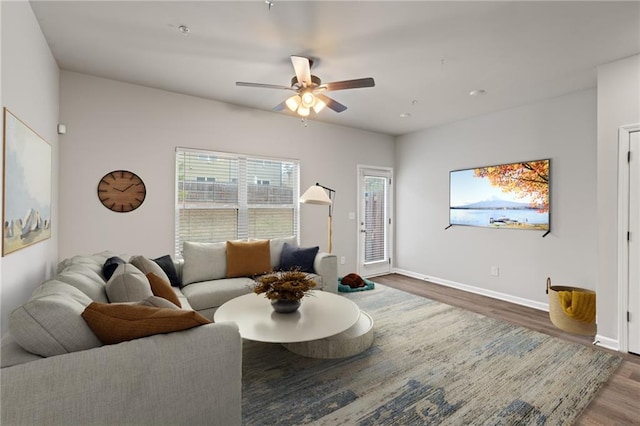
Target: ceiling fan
x: 309, y: 89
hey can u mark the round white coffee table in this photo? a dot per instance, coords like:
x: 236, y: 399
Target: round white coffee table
x: 321, y: 314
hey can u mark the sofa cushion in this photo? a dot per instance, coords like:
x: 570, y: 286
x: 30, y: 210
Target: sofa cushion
x: 55, y: 286
x: 162, y: 288
x: 211, y: 294
x: 203, y: 262
x: 115, y: 323
x: 11, y: 353
x: 248, y: 258
x: 128, y: 284
x: 78, y: 278
x: 50, y: 323
x: 146, y: 266
x: 166, y: 263
x: 93, y: 262
x: 110, y: 266
x: 182, y: 298
x: 298, y: 258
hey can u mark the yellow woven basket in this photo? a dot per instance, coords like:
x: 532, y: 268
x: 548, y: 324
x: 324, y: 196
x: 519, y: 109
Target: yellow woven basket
x: 562, y: 320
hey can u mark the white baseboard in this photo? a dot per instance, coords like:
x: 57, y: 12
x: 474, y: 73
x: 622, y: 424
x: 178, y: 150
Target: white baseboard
x: 476, y: 290
x: 607, y: 342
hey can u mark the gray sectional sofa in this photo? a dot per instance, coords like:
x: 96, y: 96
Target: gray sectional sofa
x: 203, y: 274
x: 56, y: 372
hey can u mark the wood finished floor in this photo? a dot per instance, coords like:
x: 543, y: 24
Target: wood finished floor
x: 617, y: 402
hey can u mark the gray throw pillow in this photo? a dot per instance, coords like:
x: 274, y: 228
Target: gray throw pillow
x: 51, y: 322
x: 148, y: 266
x: 128, y: 284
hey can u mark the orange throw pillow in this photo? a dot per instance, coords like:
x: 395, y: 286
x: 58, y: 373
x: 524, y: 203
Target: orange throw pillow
x: 247, y: 258
x: 162, y: 288
x: 115, y: 323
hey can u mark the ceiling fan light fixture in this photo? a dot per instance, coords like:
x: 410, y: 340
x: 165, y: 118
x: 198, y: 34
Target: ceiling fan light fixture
x: 319, y: 105
x: 309, y: 90
x: 308, y: 100
x: 293, y: 103
x: 303, y: 111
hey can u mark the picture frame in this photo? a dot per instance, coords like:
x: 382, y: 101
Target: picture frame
x: 27, y: 187
x: 503, y: 196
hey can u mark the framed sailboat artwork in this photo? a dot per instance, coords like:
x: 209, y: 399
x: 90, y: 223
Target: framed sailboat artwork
x: 26, y: 215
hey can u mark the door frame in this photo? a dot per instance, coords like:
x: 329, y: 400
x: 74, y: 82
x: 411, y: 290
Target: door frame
x: 359, y: 255
x: 624, y: 134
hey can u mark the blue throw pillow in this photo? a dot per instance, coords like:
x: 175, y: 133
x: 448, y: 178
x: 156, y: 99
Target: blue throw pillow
x: 298, y: 258
x: 110, y: 266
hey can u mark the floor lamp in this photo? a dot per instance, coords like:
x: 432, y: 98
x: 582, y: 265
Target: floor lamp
x: 316, y: 195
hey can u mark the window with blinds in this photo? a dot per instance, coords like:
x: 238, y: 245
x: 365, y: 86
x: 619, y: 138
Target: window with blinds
x: 223, y: 196
x: 375, y: 218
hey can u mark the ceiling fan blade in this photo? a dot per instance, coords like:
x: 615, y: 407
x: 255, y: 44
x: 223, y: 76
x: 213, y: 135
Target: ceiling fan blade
x: 261, y: 85
x: 303, y: 69
x: 348, y: 84
x: 280, y: 107
x: 332, y: 104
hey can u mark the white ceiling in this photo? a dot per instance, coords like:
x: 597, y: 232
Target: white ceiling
x: 425, y: 56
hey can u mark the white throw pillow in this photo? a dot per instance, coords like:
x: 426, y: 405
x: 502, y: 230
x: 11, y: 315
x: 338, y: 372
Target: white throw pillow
x: 275, y: 246
x: 203, y: 262
x: 128, y: 284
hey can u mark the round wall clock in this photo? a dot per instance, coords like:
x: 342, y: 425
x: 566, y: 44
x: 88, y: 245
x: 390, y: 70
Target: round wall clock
x: 121, y: 191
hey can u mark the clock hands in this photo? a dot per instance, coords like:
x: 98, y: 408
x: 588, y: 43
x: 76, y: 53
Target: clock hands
x: 127, y: 188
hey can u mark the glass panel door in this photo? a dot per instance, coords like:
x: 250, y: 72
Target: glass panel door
x: 374, y: 220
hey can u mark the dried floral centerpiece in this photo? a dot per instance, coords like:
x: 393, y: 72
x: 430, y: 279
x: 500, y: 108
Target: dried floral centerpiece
x: 284, y: 289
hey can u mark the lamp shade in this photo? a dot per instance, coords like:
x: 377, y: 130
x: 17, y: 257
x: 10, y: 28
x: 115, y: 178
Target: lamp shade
x: 315, y: 195
x: 293, y: 103
x: 319, y: 105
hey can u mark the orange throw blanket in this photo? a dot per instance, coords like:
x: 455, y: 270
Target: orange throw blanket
x: 578, y: 305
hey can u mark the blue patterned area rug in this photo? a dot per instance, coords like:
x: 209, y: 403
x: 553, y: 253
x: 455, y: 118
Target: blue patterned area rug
x: 430, y: 363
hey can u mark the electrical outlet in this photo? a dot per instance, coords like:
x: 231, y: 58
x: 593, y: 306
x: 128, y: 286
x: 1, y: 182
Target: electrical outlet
x: 343, y: 260
x: 495, y: 271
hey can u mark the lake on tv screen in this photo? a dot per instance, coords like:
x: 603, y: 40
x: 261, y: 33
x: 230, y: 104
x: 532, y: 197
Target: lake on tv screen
x: 514, y: 218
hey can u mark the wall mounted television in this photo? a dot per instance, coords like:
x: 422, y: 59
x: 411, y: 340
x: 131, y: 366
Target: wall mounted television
x: 511, y: 196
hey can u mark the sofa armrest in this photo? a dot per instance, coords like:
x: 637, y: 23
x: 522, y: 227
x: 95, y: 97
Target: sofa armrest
x: 192, y: 377
x: 326, y: 265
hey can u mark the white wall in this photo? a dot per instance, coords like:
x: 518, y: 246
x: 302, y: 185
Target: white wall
x: 563, y: 129
x: 112, y: 125
x: 30, y: 90
x: 618, y: 105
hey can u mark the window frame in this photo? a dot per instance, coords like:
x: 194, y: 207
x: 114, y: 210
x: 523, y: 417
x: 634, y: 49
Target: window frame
x: 243, y: 180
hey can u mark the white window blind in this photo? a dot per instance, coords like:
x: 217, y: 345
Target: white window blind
x: 375, y: 202
x: 223, y: 196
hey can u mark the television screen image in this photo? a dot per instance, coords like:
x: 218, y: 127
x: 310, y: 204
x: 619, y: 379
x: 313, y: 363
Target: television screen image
x: 514, y: 195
